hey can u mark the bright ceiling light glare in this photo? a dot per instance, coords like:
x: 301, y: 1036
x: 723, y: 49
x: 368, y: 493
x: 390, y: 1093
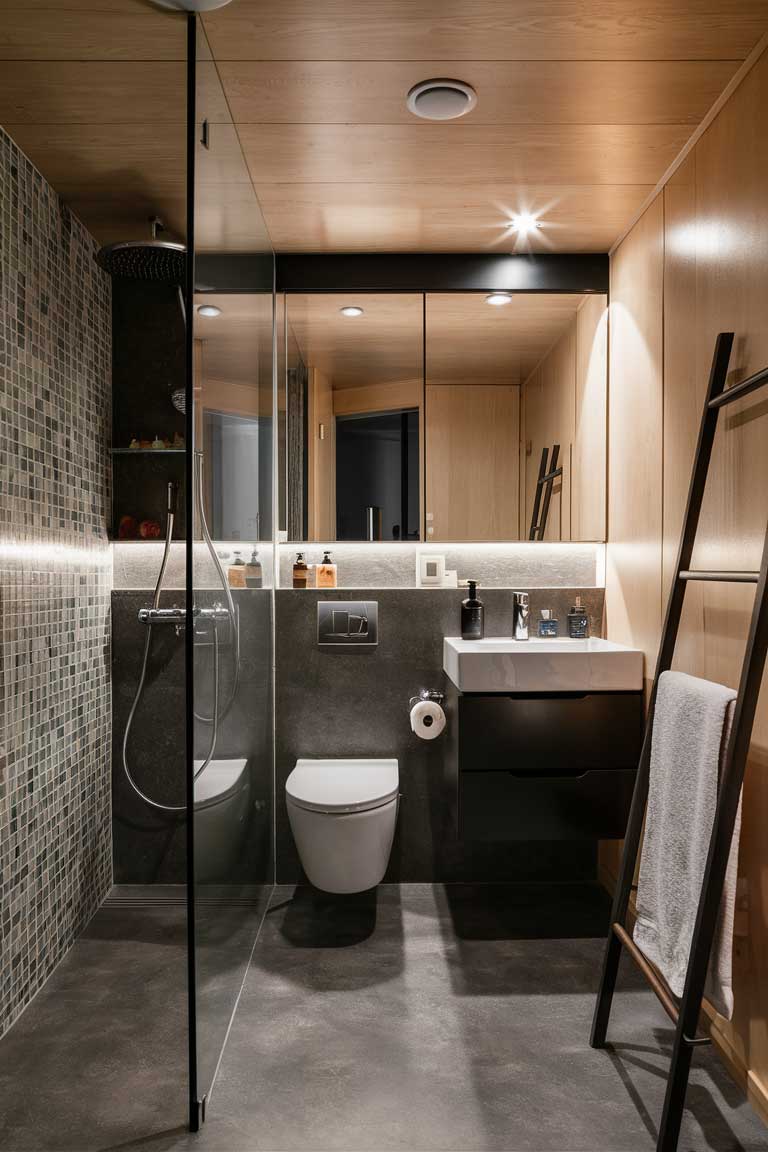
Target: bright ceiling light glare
x: 351, y: 310
x: 441, y: 99
x: 498, y: 299
x: 524, y: 223
x: 208, y: 310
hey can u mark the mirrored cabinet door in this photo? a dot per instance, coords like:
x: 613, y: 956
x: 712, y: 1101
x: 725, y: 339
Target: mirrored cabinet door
x: 353, y: 398
x: 448, y: 417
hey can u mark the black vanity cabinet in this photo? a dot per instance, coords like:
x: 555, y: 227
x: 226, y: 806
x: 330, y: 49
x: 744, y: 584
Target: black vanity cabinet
x: 523, y: 766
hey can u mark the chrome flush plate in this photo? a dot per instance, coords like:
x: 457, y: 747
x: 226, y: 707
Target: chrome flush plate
x: 347, y: 623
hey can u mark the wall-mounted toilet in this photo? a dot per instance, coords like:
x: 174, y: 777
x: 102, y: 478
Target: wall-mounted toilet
x: 221, y: 812
x: 343, y: 815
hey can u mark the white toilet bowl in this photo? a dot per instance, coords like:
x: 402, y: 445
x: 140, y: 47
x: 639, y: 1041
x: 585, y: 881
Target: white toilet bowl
x: 221, y: 811
x: 343, y: 815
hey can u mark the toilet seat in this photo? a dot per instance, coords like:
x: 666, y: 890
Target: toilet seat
x: 339, y: 786
x: 220, y: 780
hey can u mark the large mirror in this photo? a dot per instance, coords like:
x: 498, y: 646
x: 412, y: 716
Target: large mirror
x: 444, y: 417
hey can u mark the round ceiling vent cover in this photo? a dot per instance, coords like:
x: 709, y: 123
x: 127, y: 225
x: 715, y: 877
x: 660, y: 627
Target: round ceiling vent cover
x: 441, y: 99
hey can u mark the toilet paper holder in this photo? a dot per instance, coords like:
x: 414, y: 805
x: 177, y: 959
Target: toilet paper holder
x: 426, y: 694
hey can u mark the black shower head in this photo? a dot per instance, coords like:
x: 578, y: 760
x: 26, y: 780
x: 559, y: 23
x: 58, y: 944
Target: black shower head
x: 150, y: 260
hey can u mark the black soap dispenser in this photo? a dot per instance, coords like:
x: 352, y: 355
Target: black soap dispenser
x: 472, y: 615
x: 578, y: 621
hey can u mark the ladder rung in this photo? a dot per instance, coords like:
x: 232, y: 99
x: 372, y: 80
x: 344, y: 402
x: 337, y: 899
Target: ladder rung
x: 656, y: 982
x: 751, y: 384
x: 724, y: 577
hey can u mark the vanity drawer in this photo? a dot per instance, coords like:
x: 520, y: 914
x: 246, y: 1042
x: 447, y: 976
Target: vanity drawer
x: 506, y: 806
x: 561, y: 733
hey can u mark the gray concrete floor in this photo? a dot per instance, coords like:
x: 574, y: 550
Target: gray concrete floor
x: 417, y: 1018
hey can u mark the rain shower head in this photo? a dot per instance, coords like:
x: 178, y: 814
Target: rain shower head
x: 160, y: 261
x: 157, y: 260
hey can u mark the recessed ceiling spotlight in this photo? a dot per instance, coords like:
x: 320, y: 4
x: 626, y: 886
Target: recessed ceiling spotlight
x: 351, y: 310
x: 208, y: 310
x: 499, y: 298
x: 441, y: 99
x: 524, y: 222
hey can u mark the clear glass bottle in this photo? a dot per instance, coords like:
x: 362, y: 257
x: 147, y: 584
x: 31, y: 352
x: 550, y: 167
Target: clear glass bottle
x: 236, y: 572
x: 548, y: 625
x: 254, y: 573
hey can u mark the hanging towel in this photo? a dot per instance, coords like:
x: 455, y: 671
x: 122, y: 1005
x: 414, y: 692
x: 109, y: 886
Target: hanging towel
x: 691, y: 724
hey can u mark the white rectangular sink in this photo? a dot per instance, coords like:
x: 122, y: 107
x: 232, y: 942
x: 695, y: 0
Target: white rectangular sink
x: 505, y: 665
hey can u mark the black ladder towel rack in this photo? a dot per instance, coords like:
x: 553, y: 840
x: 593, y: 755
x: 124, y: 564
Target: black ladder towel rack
x: 685, y: 1011
x: 544, y: 482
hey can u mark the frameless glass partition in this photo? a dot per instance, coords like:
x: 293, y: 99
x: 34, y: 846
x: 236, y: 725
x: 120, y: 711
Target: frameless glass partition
x: 232, y: 500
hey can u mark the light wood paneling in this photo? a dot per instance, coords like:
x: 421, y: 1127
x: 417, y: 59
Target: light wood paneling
x: 448, y: 217
x: 549, y: 407
x: 381, y: 346
x: 461, y: 152
x: 715, y: 279
x: 472, y: 445
x: 528, y: 92
x: 321, y: 458
x: 378, y: 397
x: 471, y: 342
x: 237, y: 345
x: 588, y: 454
x: 633, y: 587
x: 484, y: 30
x: 72, y: 32
x: 98, y: 92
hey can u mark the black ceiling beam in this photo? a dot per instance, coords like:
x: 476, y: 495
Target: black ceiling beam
x: 441, y: 272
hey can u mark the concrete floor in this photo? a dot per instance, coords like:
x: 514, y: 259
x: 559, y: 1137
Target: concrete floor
x: 417, y: 1018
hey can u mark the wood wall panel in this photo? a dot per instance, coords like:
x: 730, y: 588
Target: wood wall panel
x: 588, y: 457
x: 472, y: 446
x: 715, y: 279
x: 321, y: 440
x: 633, y: 589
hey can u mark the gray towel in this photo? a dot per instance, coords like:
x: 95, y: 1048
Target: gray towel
x: 690, y: 729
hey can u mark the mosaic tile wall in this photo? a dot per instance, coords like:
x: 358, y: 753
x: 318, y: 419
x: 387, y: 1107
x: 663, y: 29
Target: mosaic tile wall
x: 55, y: 580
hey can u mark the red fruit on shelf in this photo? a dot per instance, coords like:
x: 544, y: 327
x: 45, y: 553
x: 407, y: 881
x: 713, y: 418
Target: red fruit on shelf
x: 149, y: 530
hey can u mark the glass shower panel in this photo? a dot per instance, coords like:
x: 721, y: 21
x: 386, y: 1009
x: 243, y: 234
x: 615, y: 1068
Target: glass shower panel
x: 232, y: 432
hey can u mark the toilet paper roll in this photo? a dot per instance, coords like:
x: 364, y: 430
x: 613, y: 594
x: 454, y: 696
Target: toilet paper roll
x: 427, y: 719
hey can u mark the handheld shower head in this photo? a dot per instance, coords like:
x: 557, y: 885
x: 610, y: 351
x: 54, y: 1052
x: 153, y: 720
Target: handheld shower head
x: 173, y: 496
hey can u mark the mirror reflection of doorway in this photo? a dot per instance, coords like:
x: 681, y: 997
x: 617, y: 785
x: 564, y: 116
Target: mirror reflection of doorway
x: 377, y: 476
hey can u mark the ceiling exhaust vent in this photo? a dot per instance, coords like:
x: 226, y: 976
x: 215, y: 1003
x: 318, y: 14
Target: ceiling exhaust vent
x: 441, y: 99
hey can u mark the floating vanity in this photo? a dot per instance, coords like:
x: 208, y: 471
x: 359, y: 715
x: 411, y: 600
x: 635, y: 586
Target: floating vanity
x: 544, y: 737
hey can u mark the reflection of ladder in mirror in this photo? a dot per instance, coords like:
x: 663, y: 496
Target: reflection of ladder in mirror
x: 543, y: 493
x: 685, y: 1012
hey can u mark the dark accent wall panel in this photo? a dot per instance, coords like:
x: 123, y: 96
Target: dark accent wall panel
x: 347, y: 702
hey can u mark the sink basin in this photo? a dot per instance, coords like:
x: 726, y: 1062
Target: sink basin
x: 505, y: 665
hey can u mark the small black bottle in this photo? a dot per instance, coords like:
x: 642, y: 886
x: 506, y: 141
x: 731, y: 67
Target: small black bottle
x: 472, y: 615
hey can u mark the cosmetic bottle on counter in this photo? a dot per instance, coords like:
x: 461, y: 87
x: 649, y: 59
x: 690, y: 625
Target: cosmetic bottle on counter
x: 548, y: 625
x: 254, y: 573
x: 578, y: 621
x: 300, y: 572
x: 236, y: 572
x: 326, y: 573
x: 472, y: 615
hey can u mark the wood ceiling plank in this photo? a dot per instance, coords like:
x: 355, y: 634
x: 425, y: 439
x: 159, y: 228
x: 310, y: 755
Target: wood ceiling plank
x: 460, y: 153
x: 444, y: 217
x: 485, y: 30
x: 99, y: 92
x: 114, y: 157
x: 141, y: 33
x: 509, y: 92
x: 383, y: 345
x: 469, y: 341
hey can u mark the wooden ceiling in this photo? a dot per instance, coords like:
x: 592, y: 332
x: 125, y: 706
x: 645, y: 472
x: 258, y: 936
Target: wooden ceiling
x: 467, y: 340
x: 581, y: 107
